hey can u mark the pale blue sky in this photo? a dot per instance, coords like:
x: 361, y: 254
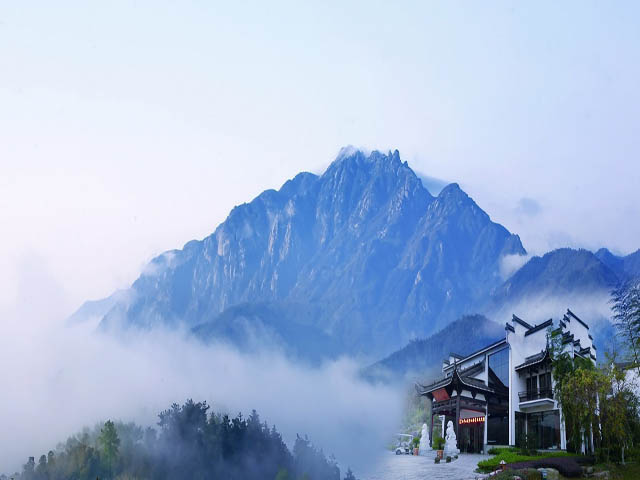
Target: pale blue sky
x: 128, y: 128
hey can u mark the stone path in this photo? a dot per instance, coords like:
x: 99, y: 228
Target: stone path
x: 408, y: 467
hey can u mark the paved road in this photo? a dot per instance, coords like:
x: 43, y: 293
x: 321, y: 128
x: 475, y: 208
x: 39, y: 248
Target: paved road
x: 408, y: 467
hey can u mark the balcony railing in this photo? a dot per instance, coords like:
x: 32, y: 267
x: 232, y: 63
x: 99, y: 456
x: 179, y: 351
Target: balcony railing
x: 537, y: 394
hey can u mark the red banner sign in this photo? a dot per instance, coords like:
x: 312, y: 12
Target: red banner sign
x: 464, y: 421
x: 440, y: 395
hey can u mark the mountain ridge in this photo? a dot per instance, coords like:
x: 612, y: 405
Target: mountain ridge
x: 385, y: 259
x: 361, y: 257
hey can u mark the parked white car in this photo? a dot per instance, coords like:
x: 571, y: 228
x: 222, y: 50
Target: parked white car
x: 403, y: 446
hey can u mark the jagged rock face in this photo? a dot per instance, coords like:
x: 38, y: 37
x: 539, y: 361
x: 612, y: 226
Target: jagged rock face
x: 374, y: 255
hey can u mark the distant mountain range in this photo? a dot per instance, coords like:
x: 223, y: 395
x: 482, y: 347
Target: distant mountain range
x: 361, y: 259
x: 422, y: 357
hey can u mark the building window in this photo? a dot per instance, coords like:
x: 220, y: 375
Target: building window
x: 545, y: 427
x: 499, y: 366
x: 498, y: 425
x: 545, y: 384
x: 532, y: 387
x: 521, y: 429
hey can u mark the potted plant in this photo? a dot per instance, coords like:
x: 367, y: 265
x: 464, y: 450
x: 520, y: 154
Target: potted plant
x: 438, y: 445
x: 416, y: 445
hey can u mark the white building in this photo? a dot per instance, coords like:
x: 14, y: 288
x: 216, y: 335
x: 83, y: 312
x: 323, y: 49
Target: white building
x: 501, y: 393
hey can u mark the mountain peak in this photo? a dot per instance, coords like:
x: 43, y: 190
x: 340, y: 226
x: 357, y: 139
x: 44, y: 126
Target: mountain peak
x: 372, y: 258
x: 369, y: 156
x: 453, y: 189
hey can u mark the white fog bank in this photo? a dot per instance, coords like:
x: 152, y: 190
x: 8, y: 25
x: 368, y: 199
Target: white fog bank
x: 57, y: 380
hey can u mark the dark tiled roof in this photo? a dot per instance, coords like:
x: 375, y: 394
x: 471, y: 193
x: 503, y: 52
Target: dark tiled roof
x: 537, y: 328
x: 437, y: 384
x: 569, y: 312
x: 474, y: 382
x: 472, y: 369
x: 522, y: 322
x: 533, y: 359
x: 443, y: 382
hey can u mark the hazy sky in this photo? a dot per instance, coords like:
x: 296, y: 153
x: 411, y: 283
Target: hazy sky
x: 129, y: 128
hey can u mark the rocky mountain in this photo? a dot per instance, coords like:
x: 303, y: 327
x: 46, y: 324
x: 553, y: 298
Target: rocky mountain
x: 249, y: 326
x: 95, y: 310
x: 560, y: 279
x: 422, y: 357
x: 367, y: 255
x: 560, y: 272
x: 625, y: 267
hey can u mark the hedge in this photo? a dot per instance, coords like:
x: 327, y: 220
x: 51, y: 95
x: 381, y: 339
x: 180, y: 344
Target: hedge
x: 567, y: 466
x: 509, y: 456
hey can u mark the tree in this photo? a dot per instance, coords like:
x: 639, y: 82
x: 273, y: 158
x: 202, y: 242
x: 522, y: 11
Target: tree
x: 619, y: 410
x: 41, y: 468
x: 576, y: 387
x: 626, y: 317
x: 28, y: 470
x: 283, y: 474
x: 109, y: 443
x: 350, y: 475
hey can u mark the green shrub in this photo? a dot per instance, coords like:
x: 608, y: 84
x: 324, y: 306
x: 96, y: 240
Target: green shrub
x: 493, y: 463
x: 438, y: 442
x: 436, y: 460
x: 416, y: 442
x: 499, y: 450
x: 448, y: 459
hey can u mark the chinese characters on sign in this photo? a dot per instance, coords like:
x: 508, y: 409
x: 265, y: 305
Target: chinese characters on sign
x: 463, y: 421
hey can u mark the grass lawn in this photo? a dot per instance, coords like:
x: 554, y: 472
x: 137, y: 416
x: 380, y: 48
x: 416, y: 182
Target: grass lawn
x: 510, y: 456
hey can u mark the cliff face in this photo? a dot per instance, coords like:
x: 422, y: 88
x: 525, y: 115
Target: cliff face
x: 365, y: 253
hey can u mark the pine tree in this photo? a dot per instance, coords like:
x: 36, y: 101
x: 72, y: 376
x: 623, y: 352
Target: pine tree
x: 626, y: 317
x: 350, y: 475
x: 109, y: 445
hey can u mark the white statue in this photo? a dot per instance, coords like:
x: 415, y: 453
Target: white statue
x: 451, y: 442
x: 425, y: 448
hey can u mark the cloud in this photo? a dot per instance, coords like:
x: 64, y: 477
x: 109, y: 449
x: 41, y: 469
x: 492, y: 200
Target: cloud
x: 510, y: 264
x: 57, y: 380
x: 432, y: 184
x: 594, y: 308
x: 528, y: 207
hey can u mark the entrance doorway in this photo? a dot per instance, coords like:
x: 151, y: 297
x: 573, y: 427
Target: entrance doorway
x: 471, y: 438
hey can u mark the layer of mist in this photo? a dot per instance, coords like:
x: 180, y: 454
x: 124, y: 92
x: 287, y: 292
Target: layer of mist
x: 57, y: 380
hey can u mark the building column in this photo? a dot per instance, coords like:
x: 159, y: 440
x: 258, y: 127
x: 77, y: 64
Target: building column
x: 486, y: 420
x: 457, y: 420
x: 431, y: 427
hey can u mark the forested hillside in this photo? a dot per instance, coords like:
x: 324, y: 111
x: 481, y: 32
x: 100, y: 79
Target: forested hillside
x: 190, y: 443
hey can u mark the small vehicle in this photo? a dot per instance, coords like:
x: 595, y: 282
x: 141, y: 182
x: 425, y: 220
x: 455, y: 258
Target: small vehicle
x: 404, y: 444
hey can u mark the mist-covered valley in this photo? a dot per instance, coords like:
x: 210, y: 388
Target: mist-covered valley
x: 312, y: 361
x: 210, y: 209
